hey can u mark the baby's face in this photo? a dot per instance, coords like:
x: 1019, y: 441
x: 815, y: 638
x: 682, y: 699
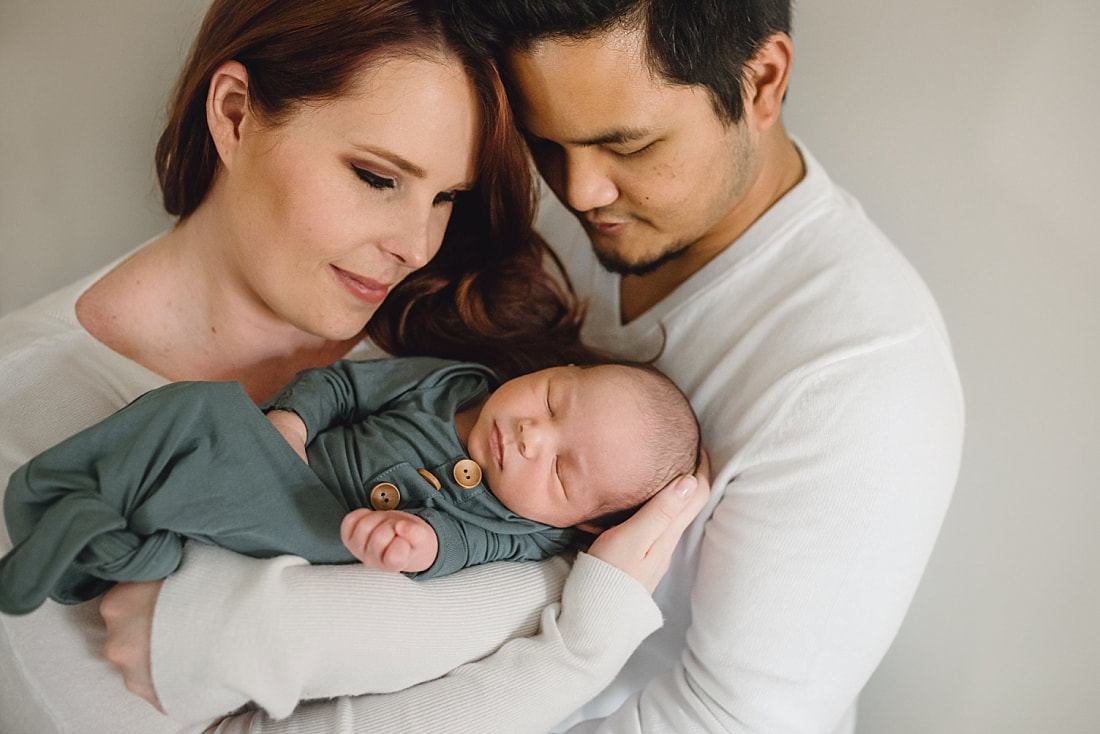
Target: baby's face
x: 555, y: 444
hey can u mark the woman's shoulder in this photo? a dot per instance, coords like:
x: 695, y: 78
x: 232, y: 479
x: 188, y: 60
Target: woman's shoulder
x: 55, y: 378
x: 51, y: 315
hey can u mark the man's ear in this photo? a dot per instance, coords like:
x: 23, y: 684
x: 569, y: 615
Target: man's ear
x: 226, y: 107
x: 766, y: 77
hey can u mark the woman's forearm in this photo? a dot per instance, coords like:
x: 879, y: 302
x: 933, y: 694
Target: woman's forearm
x: 528, y: 685
x: 229, y: 629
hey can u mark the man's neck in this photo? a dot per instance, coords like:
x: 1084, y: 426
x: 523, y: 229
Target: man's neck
x: 781, y: 168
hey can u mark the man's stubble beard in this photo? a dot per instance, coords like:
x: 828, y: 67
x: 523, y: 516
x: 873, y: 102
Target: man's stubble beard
x: 614, y: 263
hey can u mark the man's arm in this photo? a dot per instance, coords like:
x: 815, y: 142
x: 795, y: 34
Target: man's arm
x: 812, y: 556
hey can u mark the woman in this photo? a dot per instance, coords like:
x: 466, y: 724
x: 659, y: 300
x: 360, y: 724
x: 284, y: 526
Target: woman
x: 314, y: 155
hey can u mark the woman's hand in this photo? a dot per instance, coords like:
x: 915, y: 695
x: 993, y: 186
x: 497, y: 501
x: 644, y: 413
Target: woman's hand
x: 127, y: 610
x: 293, y: 428
x: 642, y: 546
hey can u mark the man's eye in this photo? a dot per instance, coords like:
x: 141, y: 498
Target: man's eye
x: 637, y: 153
x: 373, y: 179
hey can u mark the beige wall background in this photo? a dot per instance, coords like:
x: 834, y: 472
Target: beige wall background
x: 968, y: 131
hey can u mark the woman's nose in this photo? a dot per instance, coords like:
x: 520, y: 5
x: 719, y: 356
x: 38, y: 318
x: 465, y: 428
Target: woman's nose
x: 410, y: 249
x: 416, y: 240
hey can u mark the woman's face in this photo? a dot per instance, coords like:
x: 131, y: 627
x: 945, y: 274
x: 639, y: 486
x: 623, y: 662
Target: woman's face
x: 334, y: 206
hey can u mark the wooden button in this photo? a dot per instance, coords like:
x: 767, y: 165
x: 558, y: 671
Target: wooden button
x: 467, y: 473
x: 429, y: 477
x: 384, y: 496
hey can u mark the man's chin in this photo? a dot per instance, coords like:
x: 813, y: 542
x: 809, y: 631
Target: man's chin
x: 614, y: 261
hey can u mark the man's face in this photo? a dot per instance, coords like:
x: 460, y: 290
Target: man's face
x: 648, y: 167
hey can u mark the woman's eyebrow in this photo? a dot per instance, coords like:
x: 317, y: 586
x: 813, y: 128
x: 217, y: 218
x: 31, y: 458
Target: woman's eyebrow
x: 401, y: 162
x: 404, y: 164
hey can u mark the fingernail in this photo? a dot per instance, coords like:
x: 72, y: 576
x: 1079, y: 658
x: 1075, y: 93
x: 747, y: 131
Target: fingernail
x: 686, y: 486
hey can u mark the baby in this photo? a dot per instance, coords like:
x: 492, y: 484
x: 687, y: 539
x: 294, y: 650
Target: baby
x: 418, y: 465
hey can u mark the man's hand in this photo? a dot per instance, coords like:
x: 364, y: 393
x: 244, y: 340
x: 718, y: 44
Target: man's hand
x: 390, y: 540
x: 293, y: 428
x: 642, y: 546
x: 127, y: 610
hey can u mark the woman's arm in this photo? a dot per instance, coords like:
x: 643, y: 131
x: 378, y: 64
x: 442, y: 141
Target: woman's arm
x: 604, y: 614
x: 526, y: 686
x: 278, y: 630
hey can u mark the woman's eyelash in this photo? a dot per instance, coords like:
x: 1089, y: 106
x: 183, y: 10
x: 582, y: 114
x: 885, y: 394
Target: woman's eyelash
x: 372, y: 179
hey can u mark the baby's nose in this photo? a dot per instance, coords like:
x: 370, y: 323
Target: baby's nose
x: 532, y: 437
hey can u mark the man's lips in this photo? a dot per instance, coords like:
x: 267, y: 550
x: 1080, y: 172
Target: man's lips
x: 605, y: 226
x: 364, y: 289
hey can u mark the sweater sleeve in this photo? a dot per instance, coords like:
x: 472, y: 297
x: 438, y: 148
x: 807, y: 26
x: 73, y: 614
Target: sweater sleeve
x: 275, y: 631
x: 526, y: 686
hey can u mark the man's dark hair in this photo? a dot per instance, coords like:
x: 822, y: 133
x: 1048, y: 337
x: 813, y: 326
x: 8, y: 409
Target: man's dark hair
x: 704, y: 42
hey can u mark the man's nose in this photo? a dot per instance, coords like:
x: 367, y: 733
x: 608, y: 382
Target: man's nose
x: 588, y: 184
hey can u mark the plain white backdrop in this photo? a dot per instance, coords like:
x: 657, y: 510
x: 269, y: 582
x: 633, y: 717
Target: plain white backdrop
x: 966, y: 127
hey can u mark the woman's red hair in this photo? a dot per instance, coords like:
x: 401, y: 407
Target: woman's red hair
x: 487, y: 295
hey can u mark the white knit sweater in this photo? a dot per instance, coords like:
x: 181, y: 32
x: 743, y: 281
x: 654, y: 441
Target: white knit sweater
x: 823, y: 378
x: 825, y: 385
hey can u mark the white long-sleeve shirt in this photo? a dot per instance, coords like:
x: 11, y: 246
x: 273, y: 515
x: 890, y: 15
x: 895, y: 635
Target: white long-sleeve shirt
x: 823, y: 378
x: 824, y: 382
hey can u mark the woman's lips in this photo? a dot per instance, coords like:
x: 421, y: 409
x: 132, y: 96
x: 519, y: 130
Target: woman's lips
x: 364, y: 289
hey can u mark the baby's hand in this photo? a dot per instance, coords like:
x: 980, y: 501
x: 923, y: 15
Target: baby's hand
x: 293, y: 428
x: 390, y: 540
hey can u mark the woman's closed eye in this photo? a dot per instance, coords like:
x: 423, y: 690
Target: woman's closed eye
x: 446, y: 197
x: 373, y: 179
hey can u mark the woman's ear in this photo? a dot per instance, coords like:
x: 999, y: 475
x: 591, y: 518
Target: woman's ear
x: 226, y: 107
x: 768, y: 73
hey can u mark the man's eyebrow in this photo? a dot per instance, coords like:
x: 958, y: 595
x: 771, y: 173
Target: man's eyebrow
x: 405, y: 165
x: 619, y: 136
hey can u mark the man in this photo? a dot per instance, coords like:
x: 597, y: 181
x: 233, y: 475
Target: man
x: 816, y: 358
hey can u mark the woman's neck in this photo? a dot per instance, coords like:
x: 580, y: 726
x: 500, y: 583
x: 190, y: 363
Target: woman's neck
x: 179, y: 308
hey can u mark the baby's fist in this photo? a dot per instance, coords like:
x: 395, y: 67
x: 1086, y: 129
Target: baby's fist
x: 390, y: 540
